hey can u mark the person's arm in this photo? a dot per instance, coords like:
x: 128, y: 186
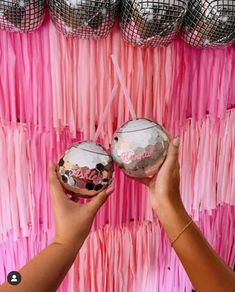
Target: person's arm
x: 204, y: 267
x: 73, y: 222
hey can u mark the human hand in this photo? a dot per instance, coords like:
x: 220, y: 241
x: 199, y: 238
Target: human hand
x: 164, y: 187
x: 73, y: 221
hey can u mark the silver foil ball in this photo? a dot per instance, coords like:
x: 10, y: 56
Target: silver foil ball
x: 85, y: 169
x: 21, y: 15
x: 84, y: 18
x: 151, y: 23
x: 139, y: 148
x: 210, y: 23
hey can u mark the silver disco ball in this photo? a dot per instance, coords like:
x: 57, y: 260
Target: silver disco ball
x: 85, y: 169
x: 209, y: 23
x: 21, y: 15
x: 140, y: 147
x: 84, y: 18
x: 151, y: 23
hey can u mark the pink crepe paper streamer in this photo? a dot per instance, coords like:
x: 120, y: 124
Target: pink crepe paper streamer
x: 125, y: 91
x: 207, y: 167
x: 105, y: 113
x: 48, y: 79
x: 133, y: 257
x: 54, y: 107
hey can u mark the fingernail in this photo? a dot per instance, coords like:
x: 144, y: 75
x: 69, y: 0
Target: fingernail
x: 110, y: 191
x: 176, y: 142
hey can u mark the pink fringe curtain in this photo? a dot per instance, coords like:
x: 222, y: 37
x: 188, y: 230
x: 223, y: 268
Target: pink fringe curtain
x: 135, y: 257
x: 66, y: 81
x: 53, y: 91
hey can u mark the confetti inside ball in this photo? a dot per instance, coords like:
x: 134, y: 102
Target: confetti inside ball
x: 151, y: 23
x: 210, y: 23
x: 21, y: 15
x: 84, y: 18
x: 85, y: 169
x: 139, y: 148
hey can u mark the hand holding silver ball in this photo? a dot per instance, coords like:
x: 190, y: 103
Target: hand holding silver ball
x: 139, y: 148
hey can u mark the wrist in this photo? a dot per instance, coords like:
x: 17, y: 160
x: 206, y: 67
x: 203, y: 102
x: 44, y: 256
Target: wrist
x: 170, y: 210
x: 166, y: 202
x: 69, y: 245
x: 173, y: 218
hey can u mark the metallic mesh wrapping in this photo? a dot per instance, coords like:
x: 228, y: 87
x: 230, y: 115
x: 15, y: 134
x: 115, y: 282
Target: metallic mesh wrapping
x: 151, y: 23
x: 21, y: 15
x: 84, y: 18
x: 209, y: 23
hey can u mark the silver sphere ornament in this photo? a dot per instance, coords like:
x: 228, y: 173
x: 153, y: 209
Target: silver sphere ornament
x: 21, y: 15
x: 209, y: 23
x: 85, y: 169
x: 84, y: 18
x: 140, y: 147
x: 153, y: 23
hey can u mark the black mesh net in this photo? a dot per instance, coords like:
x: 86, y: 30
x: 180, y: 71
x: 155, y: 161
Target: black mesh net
x: 84, y: 18
x: 21, y: 15
x: 151, y: 23
x: 210, y: 23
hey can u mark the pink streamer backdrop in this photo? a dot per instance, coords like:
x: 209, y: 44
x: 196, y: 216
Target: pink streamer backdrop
x: 53, y: 92
x: 135, y: 257
x: 66, y: 81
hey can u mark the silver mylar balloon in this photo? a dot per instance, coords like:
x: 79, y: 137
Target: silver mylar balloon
x: 139, y: 148
x: 151, y: 23
x: 85, y: 169
x: 21, y: 15
x: 209, y: 23
x: 84, y: 18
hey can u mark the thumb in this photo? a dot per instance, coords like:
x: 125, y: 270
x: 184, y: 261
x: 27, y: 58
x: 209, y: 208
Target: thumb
x: 56, y: 189
x: 173, y: 153
x: 96, y: 202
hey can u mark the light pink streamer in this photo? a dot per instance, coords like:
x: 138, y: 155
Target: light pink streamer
x: 207, y: 167
x: 53, y: 92
x: 53, y: 82
x: 134, y: 258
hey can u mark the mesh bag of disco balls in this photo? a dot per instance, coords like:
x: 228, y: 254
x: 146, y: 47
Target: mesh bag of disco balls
x: 21, y: 15
x: 209, y: 23
x: 151, y: 23
x: 84, y: 18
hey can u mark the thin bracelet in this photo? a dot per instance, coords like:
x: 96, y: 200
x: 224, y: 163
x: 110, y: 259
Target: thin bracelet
x: 186, y: 226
